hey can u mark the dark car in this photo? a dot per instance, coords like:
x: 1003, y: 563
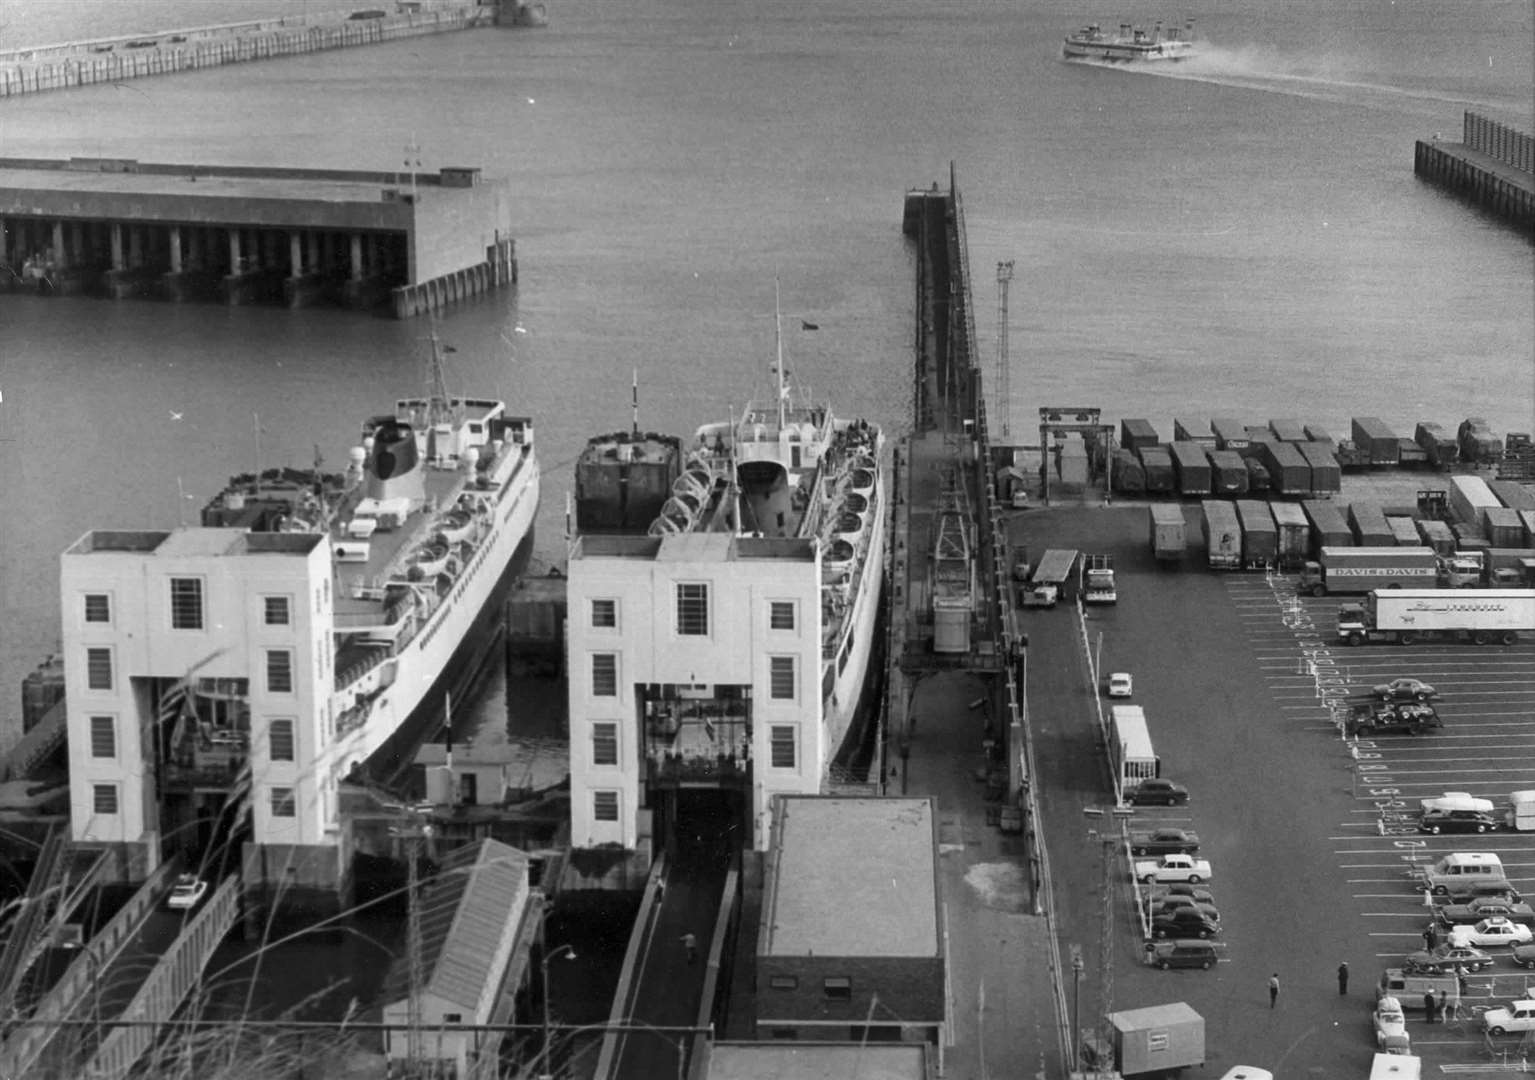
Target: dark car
x: 1405, y: 690
x: 1181, y: 953
x: 1378, y: 718
x: 1486, y: 908
x: 1167, y: 905
x: 1463, y: 892
x: 1467, y: 821
x: 1446, y: 958
x: 1159, y: 791
x: 1180, y: 888
x: 1524, y: 955
x: 1184, y: 922
x: 1164, y: 842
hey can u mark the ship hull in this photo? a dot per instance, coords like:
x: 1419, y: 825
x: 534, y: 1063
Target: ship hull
x: 1126, y: 52
x: 841, y: 708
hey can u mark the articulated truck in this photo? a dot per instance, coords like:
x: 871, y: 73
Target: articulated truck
x: 1360, y: 569
x: 1406, y: 616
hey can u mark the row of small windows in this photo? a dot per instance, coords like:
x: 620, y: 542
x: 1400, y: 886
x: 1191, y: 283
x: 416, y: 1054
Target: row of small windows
x: 280, y: 739
x: 835, y: 987
x: 693, y: 612
x: 782, y: 680
x: 783, y: 749
x: 187, y: 606
x: 279, y: 670
x: 105, y: 801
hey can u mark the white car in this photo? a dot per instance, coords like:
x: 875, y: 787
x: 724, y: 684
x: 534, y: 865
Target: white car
x: 1494, y: 931
x: 1120, y: 684
x: 187, y: 891
x: 1172, y: 868
x: 1391, y: 1027
x: 1516, y: 1016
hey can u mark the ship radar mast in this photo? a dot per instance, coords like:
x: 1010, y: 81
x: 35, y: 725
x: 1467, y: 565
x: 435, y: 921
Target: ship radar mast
x: 439, y: 406
x: 783, y: 391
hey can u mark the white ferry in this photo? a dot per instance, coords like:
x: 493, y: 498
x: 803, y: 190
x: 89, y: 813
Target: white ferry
x: 1131, y: 45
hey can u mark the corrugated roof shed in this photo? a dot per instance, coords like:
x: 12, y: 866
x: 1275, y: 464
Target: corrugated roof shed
x: 476, y: 900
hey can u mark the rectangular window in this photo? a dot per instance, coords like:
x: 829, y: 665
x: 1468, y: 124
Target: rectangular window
x: 693, y: 610
x: 781, y: 746
x: 604, y: 744
x: 98, y: 608
x: 104, y: 798
x: 275, y: 610
x: 452, y: 1018
x: 838, y: 988
x: 781, y: 615
x: 98, y: 669
x: 605, y: 805
x: 784, y: 982
x: 103, y: 736
x: 279, y: 671
x: 282, y: 802
x: 604, y: 675
x: 604, y: 614
x: 186, y: 603
x: 781, y: 678
x: 280, y: 739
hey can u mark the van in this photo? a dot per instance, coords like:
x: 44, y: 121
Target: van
x: 1408, y: 987
x: 1521, y: 811
x: 1181, y: 953
x: 1459, y: 867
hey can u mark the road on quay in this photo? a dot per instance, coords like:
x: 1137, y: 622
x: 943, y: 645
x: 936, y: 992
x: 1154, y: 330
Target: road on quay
x: 1234, y: 674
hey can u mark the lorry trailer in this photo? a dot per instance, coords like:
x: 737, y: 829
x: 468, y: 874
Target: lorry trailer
x: 1405, y: 616
x: 1168, y: 535
x: 1157, y: 1039
x: 1223, y: 534
x: 1294, y: 532
x: 1260, y: 538
x: 1360, y: 569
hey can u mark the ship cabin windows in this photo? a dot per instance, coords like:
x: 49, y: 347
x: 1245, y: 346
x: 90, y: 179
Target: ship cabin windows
x: 280, y: 740
x: 605, y: 743
x: 283, y: 805
x: 781, y: 615
x: 98, y: 608
x: 604, y: 614
x: 692, y: 609
x: 104, y: 799
x: 781, y: 680
x: 103, y: 736
x: 279, y: 671
x: 838, y: 988
x: 781, y: 745
x: 605, y: 806
x: 604, y: 675
x: 186, y: 603
x: 98, y: 669
x: 275, y: 611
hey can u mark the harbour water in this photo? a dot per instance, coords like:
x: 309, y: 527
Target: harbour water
x: 1241, y: 234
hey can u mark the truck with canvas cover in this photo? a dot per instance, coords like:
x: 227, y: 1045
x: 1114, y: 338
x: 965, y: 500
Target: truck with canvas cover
x: 1223, y: 534
x: 1438, y: 447
x: 1326, y: 474
x: 1406, y: 616
x: 1437, y: 535
x: 1476, y: 442
x: 1294, y: 532
x: 1370, y: 527
x: 1158, y: 1039
x: 1157, y: 464
x: 1375, y: 438
x: 1288, y: 471
x: 1404, y: 530
x: 1260, y: 537
x: 1229, y: 433
x: 1287, y: 430
x: 1050, y: 578
x: 1168, y: 537
x: 1129, y: 477
x: 1360, y: 569
x: 1191, y: 468
x: 1228, y: 473
x: 1135, y: 434
x: 1329, y: 528
x: 1193, y: 431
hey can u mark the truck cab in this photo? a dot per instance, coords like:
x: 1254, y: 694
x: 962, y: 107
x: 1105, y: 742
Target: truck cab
x: 1463, y: 570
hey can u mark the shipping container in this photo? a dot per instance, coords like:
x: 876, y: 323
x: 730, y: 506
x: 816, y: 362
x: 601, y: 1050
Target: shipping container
x: 1317, y: 433
x: 1229, y: 433
x: 1260, y: 537
x: 1072, y: 461
x: 1223, y: 534
x: 1469, y: 497
x: 1294, y: 532
x: 1502, y: 527
x: 1439, y: 446
x: 1404, y: 531
x: 1329, y: 528
x: 1228, y: 473
x: 1134, y: 434
x: 1375, y: 438
x: 1370, y: 526
x: 1326, y: 476
x: 1191, y: 468
x: 1288, y: 471
x: 1512, y: 494
x: 1158, y: 1039
x: 1287, y: 430
x: 1129, y: 477
x: 1257, y: 475
x: 1437, y: 535
x: 1157, y: 463
x: 1193, y: 431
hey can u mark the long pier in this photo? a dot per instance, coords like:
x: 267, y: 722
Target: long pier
x: 1493, y: 167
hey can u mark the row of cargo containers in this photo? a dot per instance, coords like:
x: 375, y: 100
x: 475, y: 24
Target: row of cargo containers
x: 1373, y: 441
x: 1191, y: 469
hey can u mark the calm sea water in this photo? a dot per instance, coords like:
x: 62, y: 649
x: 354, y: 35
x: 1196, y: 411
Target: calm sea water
x: 1241, y: 234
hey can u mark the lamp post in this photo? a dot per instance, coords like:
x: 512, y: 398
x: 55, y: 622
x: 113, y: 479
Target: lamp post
x: 1108, y: 838
x: 554, y: 954
x: 1076, y: 1006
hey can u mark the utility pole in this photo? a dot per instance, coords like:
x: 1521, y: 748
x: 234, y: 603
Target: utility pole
x: 1108, y: 836
x: 1004, y: 379
x: 413, y: 832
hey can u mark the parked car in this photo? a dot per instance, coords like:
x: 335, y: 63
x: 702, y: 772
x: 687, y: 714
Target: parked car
x: 1463, y: 892
x: 1486, y: 908
x: 1164, y: 842
x: 1159, y: 791
x: 1492, y: 931
x: 185, y: 894
x: 1391, y: 1027
x: 1515, y: 1016
x: 1181, y: 953
x: 1181, y: 888
x: 1170, y: 904
x: 1405, y: 690
x: 1172, y: 868
x: 1184, y: 922
x: 1446, y: 958
x: 1121, y: 684
x: 1524, y: 955
x: 1457, y: 821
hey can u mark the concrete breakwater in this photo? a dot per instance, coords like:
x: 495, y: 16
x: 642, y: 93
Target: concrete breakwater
x: 110, y: 60
x: 1493, y: 167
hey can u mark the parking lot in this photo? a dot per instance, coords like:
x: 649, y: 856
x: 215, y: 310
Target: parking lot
x: 1307, y: 831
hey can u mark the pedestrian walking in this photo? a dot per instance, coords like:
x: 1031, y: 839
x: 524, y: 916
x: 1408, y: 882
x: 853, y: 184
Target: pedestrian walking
x: 1343, y: 978
x: 1428, y: 1006
x: 1273, y: 989
x: 1428, y: 937
x: 690, y: 946
x: 660, y: 891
